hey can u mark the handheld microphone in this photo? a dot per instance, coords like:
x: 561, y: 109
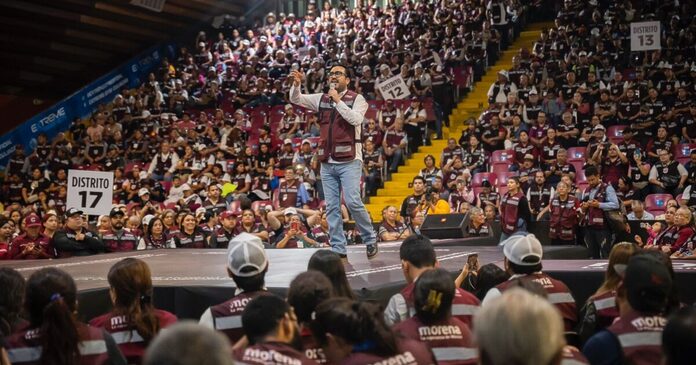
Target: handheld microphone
x: 332, y: 86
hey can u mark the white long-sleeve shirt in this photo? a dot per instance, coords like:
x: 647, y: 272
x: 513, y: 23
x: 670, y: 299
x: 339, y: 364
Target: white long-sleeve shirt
x: 354, y: 116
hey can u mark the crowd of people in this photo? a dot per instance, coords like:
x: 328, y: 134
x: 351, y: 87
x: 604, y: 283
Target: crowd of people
x: 210, y: 145
x: 489, y: 315
x: 582, y: 134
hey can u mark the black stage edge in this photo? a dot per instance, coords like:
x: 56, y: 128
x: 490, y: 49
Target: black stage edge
x: 188, y: 281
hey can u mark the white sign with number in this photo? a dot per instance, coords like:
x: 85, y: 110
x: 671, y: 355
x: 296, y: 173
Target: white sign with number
x: 645, y: 36
x: 90, y: 191
x: 394, y: 88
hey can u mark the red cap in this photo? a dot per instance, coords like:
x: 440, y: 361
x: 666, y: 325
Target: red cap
x: 32, y: 220
x: 228, y: 214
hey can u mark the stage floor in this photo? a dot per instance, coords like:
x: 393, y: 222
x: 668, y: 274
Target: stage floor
x: 187, y: 281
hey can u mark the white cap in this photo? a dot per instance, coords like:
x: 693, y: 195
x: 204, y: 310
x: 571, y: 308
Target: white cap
x: 290, y: 211
x: 200, y: 210
x: 246, y: 256
x: 523, y: 250
x: 287, y: 141
x: 147, y: 219
x: 185, y: 187
x: 143, y: 191
x: 146, y: 113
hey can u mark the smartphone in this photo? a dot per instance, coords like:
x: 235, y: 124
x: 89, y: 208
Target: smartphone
x: 295, y: 226
x: 472, y: 261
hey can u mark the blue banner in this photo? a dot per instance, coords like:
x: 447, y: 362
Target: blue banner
x: 83, y: 102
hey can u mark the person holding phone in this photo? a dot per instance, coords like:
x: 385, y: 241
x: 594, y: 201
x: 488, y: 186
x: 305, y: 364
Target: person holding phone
x: 293, y: 231
x: 341, y: 114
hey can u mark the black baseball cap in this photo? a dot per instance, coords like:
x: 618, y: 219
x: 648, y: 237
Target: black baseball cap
x: 116, y: 211
x: 648, y: 283
x: 73, y: 211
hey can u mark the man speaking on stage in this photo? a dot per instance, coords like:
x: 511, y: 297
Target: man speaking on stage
x: 341, y: 114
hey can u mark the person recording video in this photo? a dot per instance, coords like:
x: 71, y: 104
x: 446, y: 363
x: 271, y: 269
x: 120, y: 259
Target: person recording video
x: 432, y: 203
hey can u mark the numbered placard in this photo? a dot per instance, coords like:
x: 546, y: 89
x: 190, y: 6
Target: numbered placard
x: 90, y: 191
x: 394, y: 88
x: 645, y: 36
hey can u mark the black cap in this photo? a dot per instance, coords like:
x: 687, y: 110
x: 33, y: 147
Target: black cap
x: 73, y: 211
x: 116, y: 211
x: 648, y: 283
x: 486, y: 184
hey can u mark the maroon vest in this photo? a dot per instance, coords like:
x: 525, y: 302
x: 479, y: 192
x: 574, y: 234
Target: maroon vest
x: 605, y: 309
x: 450, y: 340
x: 538, y: 197
x: 163, y: 164
x: 127, y: 241
x: 125, y: 335
x: 558, y: 294
x: 410, y: 353
x: 337, y: 135
x: 23, y: 347
x: 311, y: 348
x: 564, y: 219
x: 464, y: 304
x: 272, y: 353
x: 509, y: 206
x: 595, y: 216
x: 640, y: 337
x: 196, y: 240
x: 42, y: 242
x: 287, y: 194
x: 227, y: 316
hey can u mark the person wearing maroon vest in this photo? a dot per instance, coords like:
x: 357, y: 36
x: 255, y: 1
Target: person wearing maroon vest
x: 214, y: 202
x: 273, y: 333
x: 32, y: 245
x: 563, y: 216
x: 222, y: 236
x: 523, y: 255
x: 291, y: 192
x: 417, y: 256
x: 305, y: 293
x: 514, y: 210
x: 247, y: 265
x: 539, y: 194
x: 601, y: 310
x: 133, y: 322
x: 340, y: 152
x: 449, y: 338
x: 478, y: 227
x: 191, y: 235
x: 597, y: 198
x: 636, y: 336
x: 117, y: 239
x: 353, y: 333
x: 521, y: 149
x: 613, y: 166
x: 54, y: 334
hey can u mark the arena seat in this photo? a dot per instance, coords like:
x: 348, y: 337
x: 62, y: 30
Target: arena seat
x: 580, y: 175
x: 656, y: 203
x: 503, y: 178
x: 683, y: 150
x: 615, y: 133
x: 576, y: 153
x: 502, y: 156
x: 502, y: 190
x: 481, y: 176
x: 236, y: 206
x: 500, y: 168
x: 258, y: 205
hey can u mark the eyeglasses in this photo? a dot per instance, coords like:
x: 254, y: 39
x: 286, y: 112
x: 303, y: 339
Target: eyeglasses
x: 336, y: 73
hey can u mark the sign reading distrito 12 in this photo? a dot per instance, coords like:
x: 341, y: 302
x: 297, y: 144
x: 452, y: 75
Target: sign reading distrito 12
x: 645, y: 36
x: 90, y: 191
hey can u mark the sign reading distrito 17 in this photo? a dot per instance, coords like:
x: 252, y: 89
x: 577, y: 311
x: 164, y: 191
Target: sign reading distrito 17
x: 90, y: 191
x: 645, y: 36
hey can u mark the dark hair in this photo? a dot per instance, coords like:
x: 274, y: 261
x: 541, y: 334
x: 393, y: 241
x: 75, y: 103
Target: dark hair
x: 152, y: 223
x: 251, y: 283
x: 433, y: 295
x: 489, y: 276
x: 51, y: 300
x: 421, y: 178
x: 307, y: 291
x: 591, y: 170
x: 262, y: 315
x: 329, y: 263
x: 418, y: 250
x: 673, y: 302
x: 524, y: 269
x: 11, y: 299
x: 678, y: 337
x: 131, y: 281
x: 356, y: 323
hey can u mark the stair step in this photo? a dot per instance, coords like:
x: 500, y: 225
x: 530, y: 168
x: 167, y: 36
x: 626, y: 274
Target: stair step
x: 403, y: 191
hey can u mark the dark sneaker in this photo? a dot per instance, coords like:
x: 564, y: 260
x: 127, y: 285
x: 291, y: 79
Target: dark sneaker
x: 372, y: 251
x: 344, y: 259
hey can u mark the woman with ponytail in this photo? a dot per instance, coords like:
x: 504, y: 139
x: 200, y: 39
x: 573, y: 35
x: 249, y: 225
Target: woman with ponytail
x: 449, y: 338
x: 133, y: 321
x: 352, y: 333
x: 54, y: 336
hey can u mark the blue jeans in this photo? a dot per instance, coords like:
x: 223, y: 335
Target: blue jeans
x: 521, y: 230
x: 345, y: 177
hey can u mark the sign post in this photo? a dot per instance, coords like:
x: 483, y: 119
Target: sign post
x: 394, y: 88
x: 645, y: 36
x: 90, y: 191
